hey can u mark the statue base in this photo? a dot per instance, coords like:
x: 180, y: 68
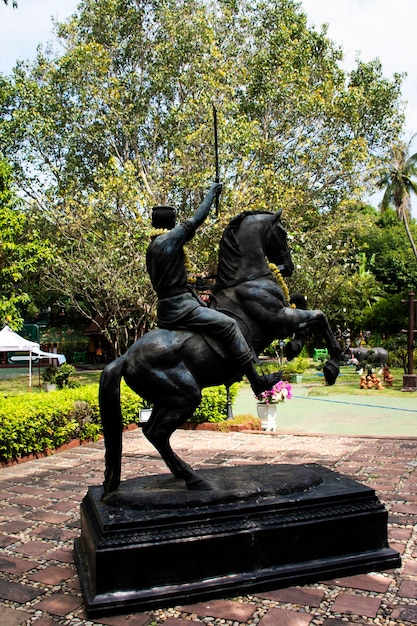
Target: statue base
x: 409, y: 382
x: 153, y: 543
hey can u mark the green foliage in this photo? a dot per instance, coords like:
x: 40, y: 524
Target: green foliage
x: 61, y: 376
x: 122, y: 121
x: 390, y: 257
x: 397, y: 346
x: 38, y: 423
x: 297, y: 366
x: 34, y: 424
x: 387, y: 316
x: 213, y: 407
x: 22, y: 250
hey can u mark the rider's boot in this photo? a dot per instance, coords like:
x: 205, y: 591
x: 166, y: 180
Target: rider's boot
x: 260, y: 383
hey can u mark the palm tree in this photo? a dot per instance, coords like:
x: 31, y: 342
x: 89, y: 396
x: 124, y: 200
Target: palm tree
x: 398, y: 182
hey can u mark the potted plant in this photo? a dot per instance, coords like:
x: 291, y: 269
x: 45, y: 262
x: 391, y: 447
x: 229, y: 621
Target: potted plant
x: 49, y: 378
x: 267, y: 401
x: 58, y: 377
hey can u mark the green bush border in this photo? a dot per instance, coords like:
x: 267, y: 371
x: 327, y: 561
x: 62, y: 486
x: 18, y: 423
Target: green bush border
x: 34, y: 424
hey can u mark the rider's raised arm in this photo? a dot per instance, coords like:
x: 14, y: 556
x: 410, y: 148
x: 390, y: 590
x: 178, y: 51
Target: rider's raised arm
x: 203, y: 210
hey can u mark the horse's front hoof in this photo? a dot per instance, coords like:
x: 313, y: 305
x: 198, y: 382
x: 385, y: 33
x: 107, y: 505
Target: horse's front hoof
x: 293, y: 349
x: 198, y: 484
x: 331, y: 371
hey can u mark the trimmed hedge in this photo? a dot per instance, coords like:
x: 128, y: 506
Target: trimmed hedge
x: 37, y: 423
x: 213, y: 406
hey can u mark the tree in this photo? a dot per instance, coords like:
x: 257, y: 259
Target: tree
x: 22, y: 250
x: 99, y: 270
x: 398, y: 182
x: 133, y: 91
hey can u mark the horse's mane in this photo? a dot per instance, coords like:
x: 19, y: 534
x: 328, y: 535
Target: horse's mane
x: 229, y: 250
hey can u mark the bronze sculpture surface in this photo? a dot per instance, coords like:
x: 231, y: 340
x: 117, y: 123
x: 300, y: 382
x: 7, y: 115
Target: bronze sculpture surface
x: 169, y: 367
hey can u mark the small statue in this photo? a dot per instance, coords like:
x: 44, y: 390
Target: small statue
x: 387, y: 376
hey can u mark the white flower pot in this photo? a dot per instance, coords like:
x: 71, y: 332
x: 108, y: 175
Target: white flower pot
x: 268, y: 416
x: 49, y: 386
x: 144, y: 415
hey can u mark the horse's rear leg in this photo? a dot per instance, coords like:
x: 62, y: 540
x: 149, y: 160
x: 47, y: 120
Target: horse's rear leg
x: 111, y: 417
x: 158, y: 430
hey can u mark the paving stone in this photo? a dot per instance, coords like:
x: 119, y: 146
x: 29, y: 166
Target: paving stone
x: 295, y: 595
x: 52, y: 575
x: 59, y: 604
x: 33, y: 548
x: 5, y: 541
x: 400, y: 534
x: 282, y: 617
x: 13, y: 617
x: 365, y: 582
x: 18, y: 593
x: 55, y: 534
x: 49, y: 516
x: 63, y: 507
x: 410, y: 568
x: 355, y: 604
x: 404, y: 508
x: 14, y: 527
x: 405, y: 613
x: 408, y: 589
x: 63, y: 555
x: 15, y: 565
x: 398, y: 547
x: 224, y: 609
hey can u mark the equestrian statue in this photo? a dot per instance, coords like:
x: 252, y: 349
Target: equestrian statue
x: 198, y: 345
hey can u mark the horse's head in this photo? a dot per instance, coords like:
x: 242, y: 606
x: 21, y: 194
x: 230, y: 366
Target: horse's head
x: 276, y: 246
x: 248, y: 239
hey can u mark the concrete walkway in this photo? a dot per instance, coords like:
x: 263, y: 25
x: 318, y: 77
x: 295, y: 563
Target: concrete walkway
x: 368, y: 413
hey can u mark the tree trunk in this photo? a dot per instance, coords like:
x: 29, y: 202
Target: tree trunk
x: 409, y: 235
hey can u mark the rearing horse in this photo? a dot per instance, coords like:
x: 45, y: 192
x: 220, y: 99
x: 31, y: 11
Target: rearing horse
x: 169, y: 368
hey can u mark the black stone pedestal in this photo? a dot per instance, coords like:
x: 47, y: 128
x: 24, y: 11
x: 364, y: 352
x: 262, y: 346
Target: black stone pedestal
x: 153, y: 543
x: 409, y: 382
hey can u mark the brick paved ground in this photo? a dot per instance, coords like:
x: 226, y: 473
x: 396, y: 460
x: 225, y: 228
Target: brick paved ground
x: 39, y: 519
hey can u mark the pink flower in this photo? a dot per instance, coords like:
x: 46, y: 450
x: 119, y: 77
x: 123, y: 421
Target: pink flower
x: 280, y: 391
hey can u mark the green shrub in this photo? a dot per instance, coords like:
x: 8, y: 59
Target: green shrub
x: 33, y: 424
x: 213, y: 407
x: 61, y: 376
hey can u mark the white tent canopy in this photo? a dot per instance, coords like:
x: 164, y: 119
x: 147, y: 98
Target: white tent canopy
x: 12, y: 342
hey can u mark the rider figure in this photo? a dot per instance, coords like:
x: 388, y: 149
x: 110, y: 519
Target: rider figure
x: 178, y: 305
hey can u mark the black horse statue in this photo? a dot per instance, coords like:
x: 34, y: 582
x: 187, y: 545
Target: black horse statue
x: 169, y: 368
x: 356, y: 356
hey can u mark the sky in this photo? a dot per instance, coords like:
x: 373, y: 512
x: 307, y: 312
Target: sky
x: 364, y: 28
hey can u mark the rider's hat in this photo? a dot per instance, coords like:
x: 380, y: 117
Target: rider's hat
x: 163, y: 216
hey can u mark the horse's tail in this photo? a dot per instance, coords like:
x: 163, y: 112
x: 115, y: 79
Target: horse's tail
x: 111, y: 418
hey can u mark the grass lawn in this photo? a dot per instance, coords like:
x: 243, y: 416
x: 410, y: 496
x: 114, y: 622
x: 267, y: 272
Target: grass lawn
x: 348, y: 383
x: 16, y: 385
